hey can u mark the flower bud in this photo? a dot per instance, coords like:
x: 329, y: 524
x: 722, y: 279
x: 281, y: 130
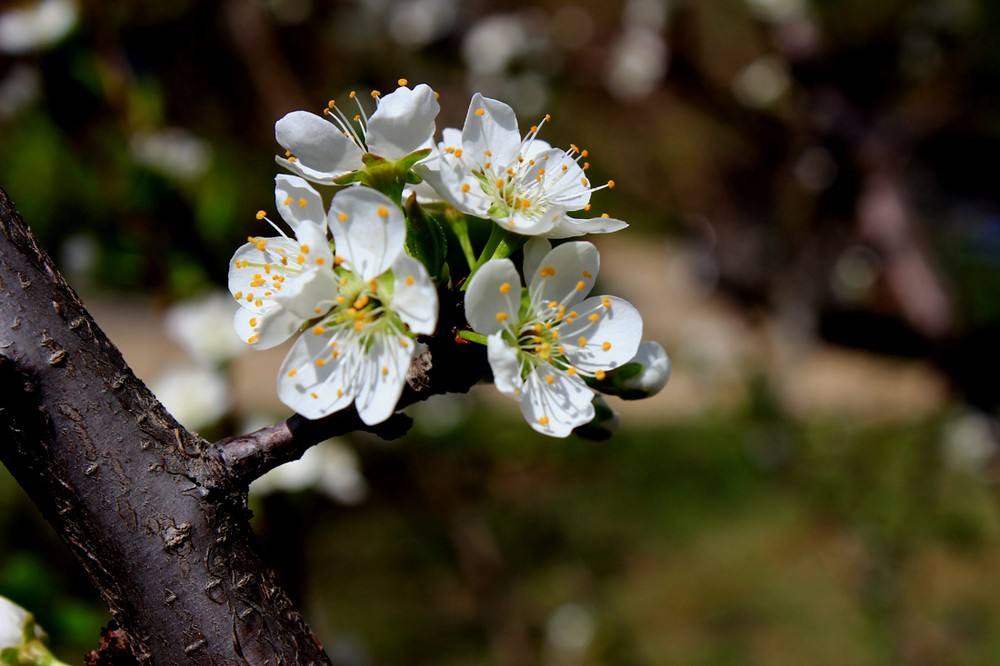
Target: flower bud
x: 653, y: 374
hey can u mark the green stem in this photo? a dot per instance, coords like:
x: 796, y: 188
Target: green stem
x: 472, y: 336
x: 497, y: 234
x: 461, y: 229
x: 508, y: 245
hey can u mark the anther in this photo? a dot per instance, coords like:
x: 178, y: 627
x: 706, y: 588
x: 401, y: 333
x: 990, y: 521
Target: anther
x: 465, y: 187
x: 543, y: 420
x: 480, y: 112
x: 409, y: 280
x: 318, y: 330
x: 342, y: 217
x: 402, y: 82
x: 293, y: 372
x: 502, y: 316
x: 302, y: 202
x: 606, y: 346
x: 547, y: 271
x: 287, y: 200
x: 581, y: 341
x: 581, y: 285
x: 600, y: 375
x: 611, y: 184
x: 382, y: 211
x: 505, y: 288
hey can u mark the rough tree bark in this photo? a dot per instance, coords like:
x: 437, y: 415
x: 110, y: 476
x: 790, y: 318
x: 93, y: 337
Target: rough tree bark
x: 156, y: 515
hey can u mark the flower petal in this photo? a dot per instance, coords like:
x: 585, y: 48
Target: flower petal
x: 505, y: 366
x: 309, y: 294
x: 253, y: 267
x: 454, y: 183
x: 493, y: 298
x: 529, y: 225
x: 403, y: 122
x: 314, y: 248
x: 562, y: 180
x: 266, y: 329
x: 568, y: 227
x: 368, y: 230
x: 491, y: 126
x: 297, y: 201
x: 321, y: 151
x: 610, y: 330
x: 534, y: 251
x: 566, y: 274
x: 317, y: 375
x: 383, y: 376
x: 414, y: 296
x: 553, y: 403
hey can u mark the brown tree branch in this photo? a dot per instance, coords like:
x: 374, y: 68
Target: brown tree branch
x: 150, y: 510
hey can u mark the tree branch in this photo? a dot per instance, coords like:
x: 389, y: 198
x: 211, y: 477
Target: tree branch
x: 447, y: 364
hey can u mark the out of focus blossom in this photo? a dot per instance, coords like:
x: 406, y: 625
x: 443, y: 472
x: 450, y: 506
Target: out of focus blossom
x: 35, y: 26
x: 18, y: 89
x: 777, y: 11
x: 494, y: 42
x: 570, y: 628
x: 969, y: 442
x: 762, y: 82
x: 204, y: 328
x: 197, y: 397
x: 21, y: 639
x: 420, y: 22
x: 330, y: 468
x: 637, y: 64
x: 173, y: 152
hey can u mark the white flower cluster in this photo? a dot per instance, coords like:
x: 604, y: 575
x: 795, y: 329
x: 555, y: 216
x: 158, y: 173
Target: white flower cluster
x: 353, y: 278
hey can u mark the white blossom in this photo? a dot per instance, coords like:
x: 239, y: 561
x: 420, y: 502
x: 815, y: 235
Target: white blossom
x: 360, y: 308
x: 196, y: 396
x: 323, y: 148
x: 330, y: 467
x: 543, y: 341
x: 523, y: 184
x: 202, y: 327
x: 12, y: 621
x: 172, y: 151
x: 36, y: 25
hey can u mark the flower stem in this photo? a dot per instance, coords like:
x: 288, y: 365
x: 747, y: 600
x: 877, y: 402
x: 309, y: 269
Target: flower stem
x: 496, y: 235
x: 461, y: 229
x: 472, y: 336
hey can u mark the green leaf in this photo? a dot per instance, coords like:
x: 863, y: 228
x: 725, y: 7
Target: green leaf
x: 425, y: 238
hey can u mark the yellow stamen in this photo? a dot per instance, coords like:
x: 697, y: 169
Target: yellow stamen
x: 505, y: 288
x: 502, y: 316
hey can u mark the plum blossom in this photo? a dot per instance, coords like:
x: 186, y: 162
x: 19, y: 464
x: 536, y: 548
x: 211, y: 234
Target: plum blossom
x: 544, y: 341
x: 324, y: 148
x: 523, y: 184
x: 359, y: 349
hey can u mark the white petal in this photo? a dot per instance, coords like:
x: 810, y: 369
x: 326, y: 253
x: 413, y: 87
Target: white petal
x: 568, y: 227
x: 314, y: 247
x: 617, y: 327
x: 490, y: 126
x: 368, y: 230
x: 309, y: 294
x: 245, y: 283
x: 414, y: 296
x: 534, y: 251
x: 568, y: 189
x: 266, y: 329
x: 315, y: 390
x: 566, y: 274
x: 555, y: 409
x: 493, y: 297
x: 451, y: 137
x: 504, y: 363
x: 321, y: 150
x: 383, y: 377
x: 448, y: 177
x: 530, y: 225
x: 403, y: 122
x: 304, y: 203
x: 535, y: 148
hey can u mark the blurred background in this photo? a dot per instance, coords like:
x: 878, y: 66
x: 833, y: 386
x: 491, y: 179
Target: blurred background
x: 815, y: 239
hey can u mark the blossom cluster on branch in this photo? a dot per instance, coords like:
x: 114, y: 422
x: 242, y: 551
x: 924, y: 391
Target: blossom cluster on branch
x: 380, y: 216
